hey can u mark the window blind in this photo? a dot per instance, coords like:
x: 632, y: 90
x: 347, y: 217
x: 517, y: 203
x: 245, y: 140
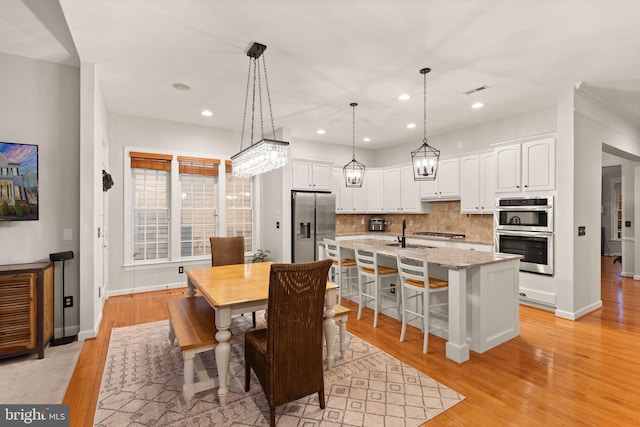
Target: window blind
x: 152, y: 161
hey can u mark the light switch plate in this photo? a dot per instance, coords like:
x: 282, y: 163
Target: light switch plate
x: 67, y: 234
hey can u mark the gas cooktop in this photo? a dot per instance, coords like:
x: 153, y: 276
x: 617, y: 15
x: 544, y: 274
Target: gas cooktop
x: 437, y: 234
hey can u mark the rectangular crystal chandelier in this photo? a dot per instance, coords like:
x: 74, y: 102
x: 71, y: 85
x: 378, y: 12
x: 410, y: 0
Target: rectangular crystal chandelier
x: 261, y: 157
x: 266, y: 154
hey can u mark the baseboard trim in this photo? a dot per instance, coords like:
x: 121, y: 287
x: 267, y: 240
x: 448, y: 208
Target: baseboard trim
x: 578, y: 314
x: 85, y: 335
x: 136, y: 290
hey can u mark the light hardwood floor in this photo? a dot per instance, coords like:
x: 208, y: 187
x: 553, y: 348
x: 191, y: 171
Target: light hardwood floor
x: 557, y: 372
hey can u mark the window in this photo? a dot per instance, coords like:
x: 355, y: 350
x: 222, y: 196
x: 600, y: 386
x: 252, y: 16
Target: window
x: 150, y: 180
x: 172, y: 207
x: 239, y: 215
x: 198, y: 194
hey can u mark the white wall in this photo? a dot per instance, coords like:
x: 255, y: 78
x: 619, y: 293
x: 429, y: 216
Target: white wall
x: 149, y: 134
x: 40, y: 104
x: 93, y: 124
x: 594, y: 123
x: 475, y: 138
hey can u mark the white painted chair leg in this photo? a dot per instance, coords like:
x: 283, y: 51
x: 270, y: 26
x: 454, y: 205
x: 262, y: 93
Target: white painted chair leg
x: 376, y: 293
x: 360, y: 292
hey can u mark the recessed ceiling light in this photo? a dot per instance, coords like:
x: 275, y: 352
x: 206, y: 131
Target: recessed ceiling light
x: 477, y: 105
x: 366, y: 139
x: 181, y: 86
x: 411, y: 125
x: 320, y: 132
x: 206, y: 113
x: 404, y: 97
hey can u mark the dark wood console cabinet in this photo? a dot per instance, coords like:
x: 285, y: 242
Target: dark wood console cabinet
x: 26, y: 308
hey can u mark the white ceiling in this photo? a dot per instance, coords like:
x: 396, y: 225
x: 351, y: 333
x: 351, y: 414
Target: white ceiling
x: 323, y: 55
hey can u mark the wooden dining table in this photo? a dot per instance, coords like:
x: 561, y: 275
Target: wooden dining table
x: 244, y: 288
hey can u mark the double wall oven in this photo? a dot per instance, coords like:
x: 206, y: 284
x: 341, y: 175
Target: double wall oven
x: 524, y: 226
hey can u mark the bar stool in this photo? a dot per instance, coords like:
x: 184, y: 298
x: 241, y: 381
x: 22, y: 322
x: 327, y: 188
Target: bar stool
x: 369, y: 272
x: 339, y: 267
x: 413, y: 269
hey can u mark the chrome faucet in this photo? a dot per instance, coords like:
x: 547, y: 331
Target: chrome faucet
x: 403, y: 239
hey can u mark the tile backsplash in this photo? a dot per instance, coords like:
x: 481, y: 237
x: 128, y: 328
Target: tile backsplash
x: 444, y: 217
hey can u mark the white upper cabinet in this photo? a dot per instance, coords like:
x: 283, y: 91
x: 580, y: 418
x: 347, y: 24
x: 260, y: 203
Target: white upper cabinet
x: 446, y: 186
x: 409, y: 190
x: 477, y: 183
x: 530, y: 166
x: 373, y: 181
x: 400, y: 194
x: 314, y: 176
x: 539, y: 165
x: 508, y: 168
x: 391, y: 190
x: 487, y: 182
x: 348, y: 200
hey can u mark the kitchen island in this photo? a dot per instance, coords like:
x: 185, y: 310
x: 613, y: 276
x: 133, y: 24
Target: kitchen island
x: 484, y: 305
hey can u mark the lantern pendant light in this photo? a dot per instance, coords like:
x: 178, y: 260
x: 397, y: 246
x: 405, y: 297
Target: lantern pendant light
x: 354, y: 170
x: 425, y: 158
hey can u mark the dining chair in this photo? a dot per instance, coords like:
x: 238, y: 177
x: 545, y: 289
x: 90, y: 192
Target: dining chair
x: 341, y: 267
x: 287, y: 355
x: 228, y: 251
x: 370, y: 277
x: 413, y: 269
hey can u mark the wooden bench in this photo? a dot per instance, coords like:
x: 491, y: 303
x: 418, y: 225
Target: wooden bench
x: 192, y: 324
x: 341, y: 317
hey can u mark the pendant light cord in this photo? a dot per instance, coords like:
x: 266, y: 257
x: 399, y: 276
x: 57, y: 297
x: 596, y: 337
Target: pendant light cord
x: 353, y: 135
x: 256, y: 76
x: 424, y: 139
x: 246, y: 99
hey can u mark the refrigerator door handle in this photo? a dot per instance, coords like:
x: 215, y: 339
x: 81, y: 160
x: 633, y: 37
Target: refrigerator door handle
x: 308, y: 230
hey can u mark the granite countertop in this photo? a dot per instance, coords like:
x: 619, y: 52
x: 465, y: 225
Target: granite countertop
x: 453, y: 258
x: 415, y: 236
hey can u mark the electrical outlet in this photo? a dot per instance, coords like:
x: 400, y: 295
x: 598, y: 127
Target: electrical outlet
x: 68, y: 302
x: 180, y: 270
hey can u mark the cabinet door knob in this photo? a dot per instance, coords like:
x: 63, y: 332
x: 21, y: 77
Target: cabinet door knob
x: 525, y: 186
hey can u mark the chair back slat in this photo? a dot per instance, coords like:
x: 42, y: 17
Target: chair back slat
x: 332, y: 248
x: 227, y: 250
x: 366, y: 257
x: 412, y: 265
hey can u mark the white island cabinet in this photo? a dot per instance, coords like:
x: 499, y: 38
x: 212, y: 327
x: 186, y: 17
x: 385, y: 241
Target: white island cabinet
x: 484, y: 309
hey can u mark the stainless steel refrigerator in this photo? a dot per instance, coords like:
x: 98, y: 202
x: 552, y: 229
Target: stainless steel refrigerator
x: 313, y: 218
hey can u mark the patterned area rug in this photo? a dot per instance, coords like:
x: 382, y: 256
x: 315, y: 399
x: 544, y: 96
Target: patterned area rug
x: 142, y: 385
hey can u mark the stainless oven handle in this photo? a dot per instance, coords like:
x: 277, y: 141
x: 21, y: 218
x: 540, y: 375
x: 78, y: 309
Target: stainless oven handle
x: 525, y: 233
x: 523, y: 208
